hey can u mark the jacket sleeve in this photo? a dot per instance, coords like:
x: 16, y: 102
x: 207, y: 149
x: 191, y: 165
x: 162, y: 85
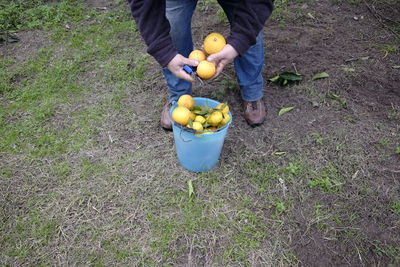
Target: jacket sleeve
x: 154, y: 27
x: 248, y: 21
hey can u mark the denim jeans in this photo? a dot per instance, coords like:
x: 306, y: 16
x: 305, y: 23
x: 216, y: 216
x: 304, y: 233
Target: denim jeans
x: 248, y: 67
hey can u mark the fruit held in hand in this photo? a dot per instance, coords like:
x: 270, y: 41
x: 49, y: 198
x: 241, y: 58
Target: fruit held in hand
x: 197, y: 55
x: 206, y: 70
x: 213, y: 43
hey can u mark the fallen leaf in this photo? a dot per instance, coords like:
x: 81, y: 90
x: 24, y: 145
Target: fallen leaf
x: 396, y: 67
x: 191, y: 190
x: 285, y: 78
x: 349, y: 69
x: 285, y: 110
x: 320, y: 76
x: 278, y: 153
x: 310, y: 15
x: 8, y: 38
x: 332, y: 96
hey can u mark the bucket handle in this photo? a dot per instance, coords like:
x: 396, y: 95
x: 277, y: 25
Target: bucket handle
x: 180, y: 135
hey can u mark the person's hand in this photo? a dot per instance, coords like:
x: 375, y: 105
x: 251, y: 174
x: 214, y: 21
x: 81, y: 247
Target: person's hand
x: 223, y: 57
x: 176, y: 67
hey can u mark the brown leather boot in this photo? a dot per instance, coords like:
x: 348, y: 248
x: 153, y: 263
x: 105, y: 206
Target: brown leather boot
x: 166, y: 123
x: 254, y: 112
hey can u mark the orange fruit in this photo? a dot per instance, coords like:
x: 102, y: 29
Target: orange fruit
x: 197, y: 55
x: 213, y: 43
x: 206, y: 70
x: 181, y: 115
x: 186, y: 101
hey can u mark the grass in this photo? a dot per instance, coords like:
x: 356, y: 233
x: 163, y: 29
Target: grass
x: 87, y: 177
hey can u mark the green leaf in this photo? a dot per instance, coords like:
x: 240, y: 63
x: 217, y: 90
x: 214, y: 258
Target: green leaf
x: 332, y: 96
x: 285, y: 78
x: 349, y: 69
x: 8, y: 38
x: 320, y: 76
x: 310, y: 15
x: 285, y: 110
x: 191, y: 190
x: 291, y: 76
x: 275, y: 79
x: 190, y: 123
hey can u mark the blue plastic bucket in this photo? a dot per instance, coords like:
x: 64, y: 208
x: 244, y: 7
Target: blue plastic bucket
x: 199, y: 152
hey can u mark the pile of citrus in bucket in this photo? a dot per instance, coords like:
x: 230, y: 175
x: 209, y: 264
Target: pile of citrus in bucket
x: 202, y: 119
x: 213, y: 43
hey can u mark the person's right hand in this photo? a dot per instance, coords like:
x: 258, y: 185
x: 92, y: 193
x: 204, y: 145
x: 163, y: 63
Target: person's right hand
x: 176, y: 67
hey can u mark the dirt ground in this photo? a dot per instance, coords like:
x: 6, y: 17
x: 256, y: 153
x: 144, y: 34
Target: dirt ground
x: 319, y: 40
x: 351, y: 120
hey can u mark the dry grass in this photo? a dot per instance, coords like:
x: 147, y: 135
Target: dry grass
x: 89, y: 178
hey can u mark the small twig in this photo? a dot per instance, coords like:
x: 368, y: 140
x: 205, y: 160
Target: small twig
x: 359, y: 256
x: 110, y: 138
x: 294, y: 66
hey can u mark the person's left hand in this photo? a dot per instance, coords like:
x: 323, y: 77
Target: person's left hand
x: 223, y: 57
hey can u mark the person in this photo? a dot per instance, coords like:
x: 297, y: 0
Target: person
x: 165, y: 26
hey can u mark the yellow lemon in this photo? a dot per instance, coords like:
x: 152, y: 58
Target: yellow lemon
x: 186, y: 101
x: 206, y: 70
x: 225, y: 109
x: 215, y: 118
x: 213, y: 43
x: 181, y: 115
x: 197, y: 55
x: 207, y: 131
x: 200, y: 119
x: 225, y: 120
x: 197, y: 126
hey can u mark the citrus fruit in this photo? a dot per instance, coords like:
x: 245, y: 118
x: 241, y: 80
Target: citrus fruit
x: 197, y: 55
x: 223, y: 110
x: 215, y: 118
x: 181, y: 115
x: 186, y: 101
x: 207, y: 131
x: 197, y: 126
x: 225, y: 120
x: 200, y: 119
x: 213, y: 43
x: 206, y: 70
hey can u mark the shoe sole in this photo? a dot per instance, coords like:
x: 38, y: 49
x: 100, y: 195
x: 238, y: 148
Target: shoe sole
x: 255, y: 124
x: 166, y: 128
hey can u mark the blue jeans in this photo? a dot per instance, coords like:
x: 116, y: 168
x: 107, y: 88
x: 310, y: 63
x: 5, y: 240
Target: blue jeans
x: 248, y: 67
